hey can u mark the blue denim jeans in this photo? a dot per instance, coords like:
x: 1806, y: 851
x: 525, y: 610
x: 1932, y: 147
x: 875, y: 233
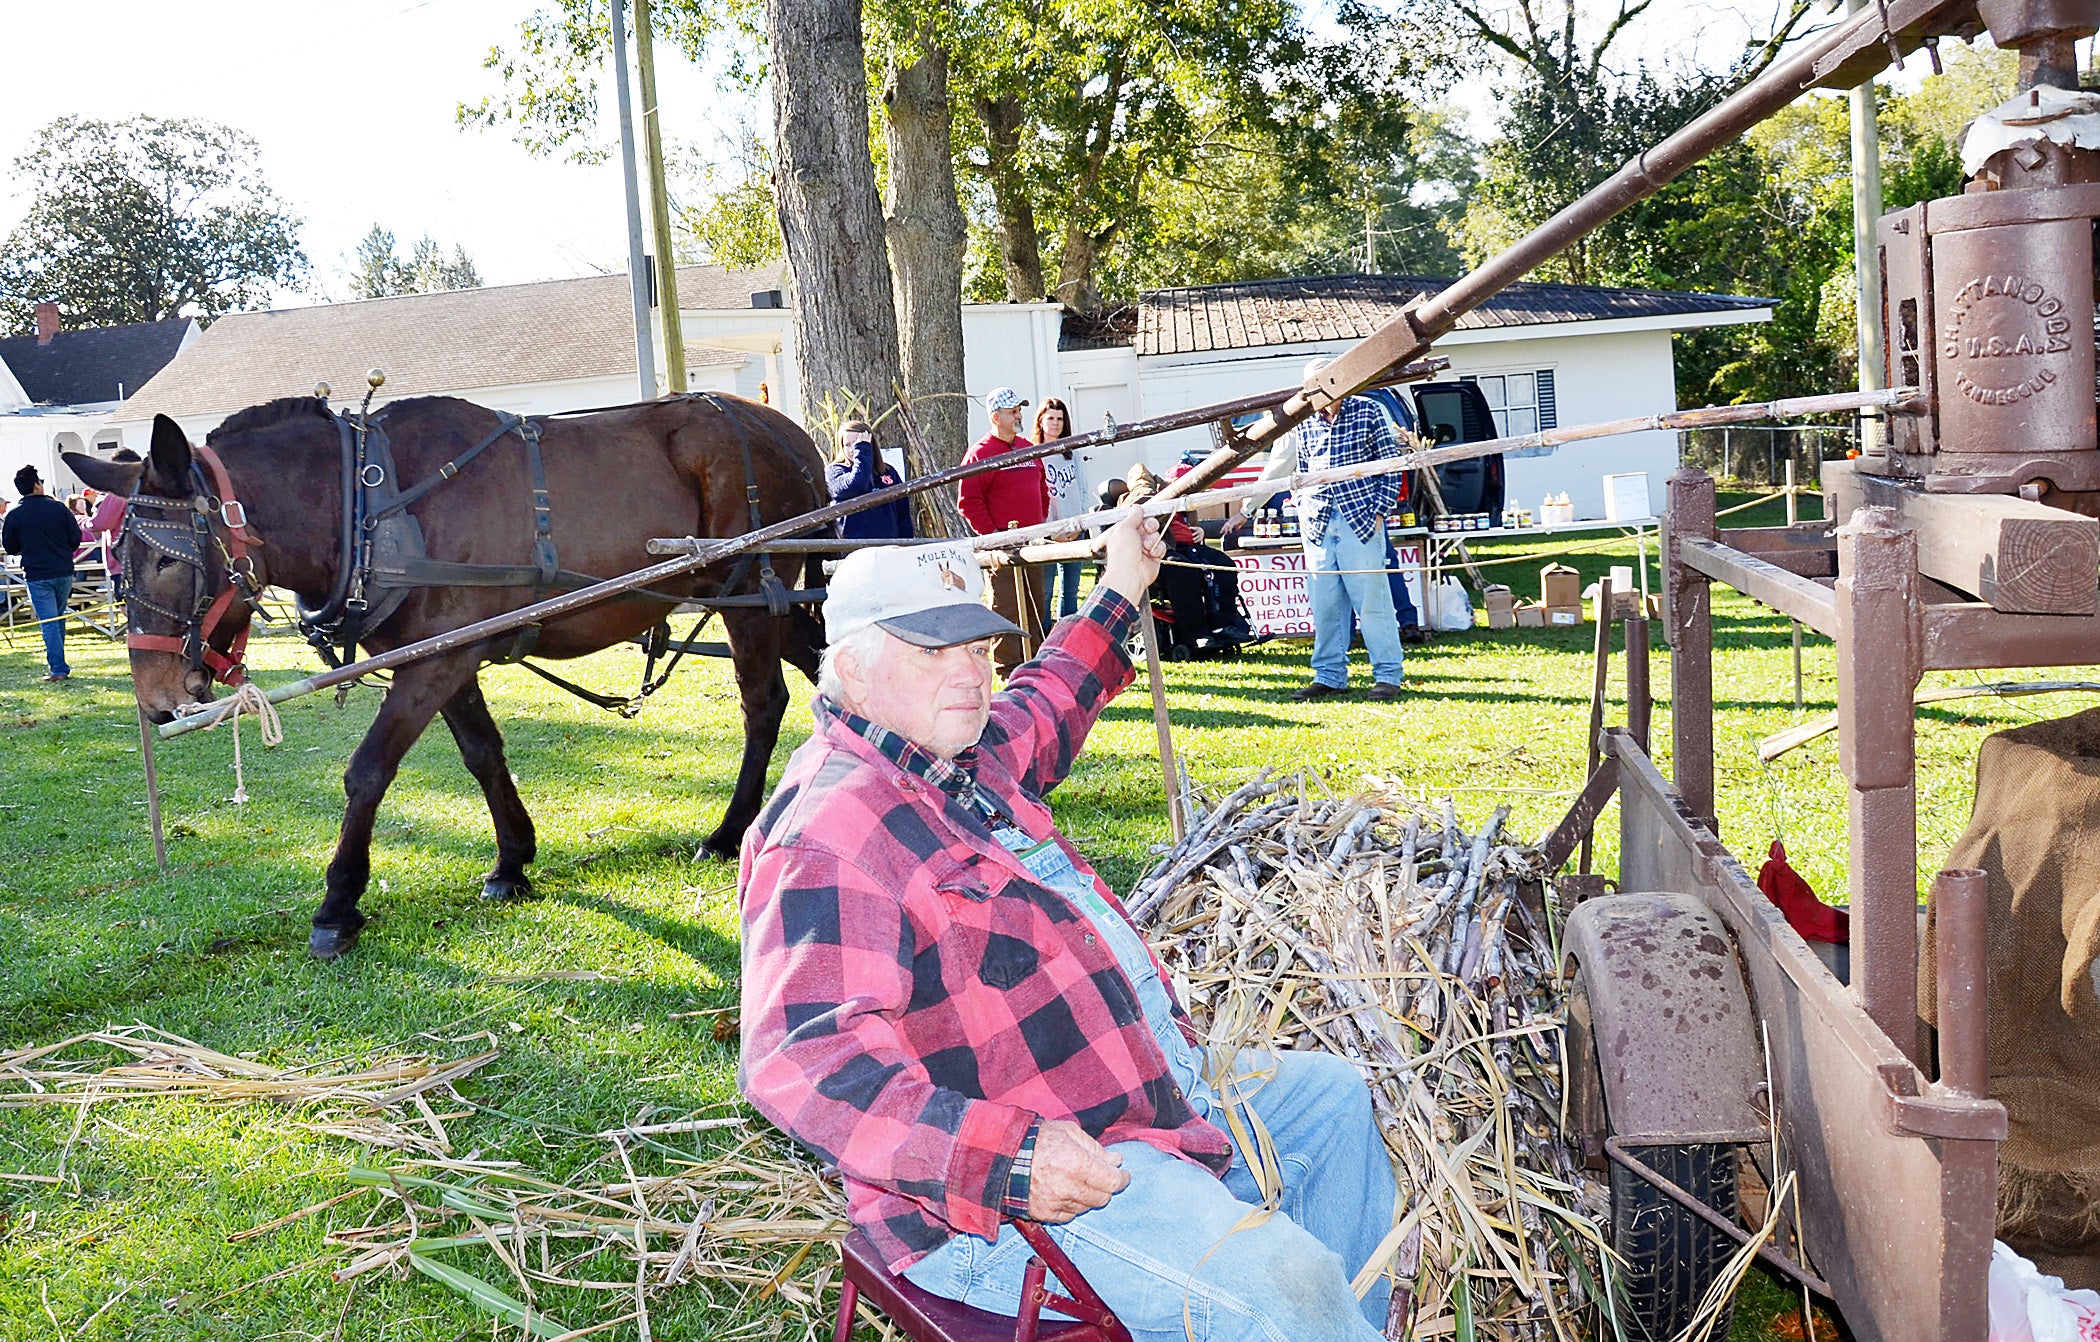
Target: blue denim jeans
x: 1171, y: 1245
x: 48, y: 598
x: 1062, y: 582
x: 1345, y: 578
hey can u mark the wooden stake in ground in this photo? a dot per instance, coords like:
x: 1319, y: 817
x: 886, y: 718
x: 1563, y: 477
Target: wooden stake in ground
x: 1598, y: 685
x: 160, y: 842
x: 1159, y: 717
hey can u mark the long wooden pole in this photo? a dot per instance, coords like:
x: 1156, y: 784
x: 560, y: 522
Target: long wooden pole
x: 694, y: 555
x: 659, y: 202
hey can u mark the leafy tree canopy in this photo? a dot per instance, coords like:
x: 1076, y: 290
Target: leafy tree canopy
x: 145, y: 219
x: 379, y: 271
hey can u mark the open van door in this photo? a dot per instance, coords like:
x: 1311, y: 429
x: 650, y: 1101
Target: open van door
x: 1457, y: 412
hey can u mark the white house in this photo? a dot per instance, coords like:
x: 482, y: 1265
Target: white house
x: 59, y: 388
x: 525, y: 348
x: 1544, y: 354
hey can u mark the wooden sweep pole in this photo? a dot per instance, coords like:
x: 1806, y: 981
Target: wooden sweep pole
x: 695, y: 556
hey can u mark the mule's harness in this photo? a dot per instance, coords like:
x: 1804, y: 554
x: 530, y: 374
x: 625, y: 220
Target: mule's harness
x: 187, y: 531
x: 381, y: 553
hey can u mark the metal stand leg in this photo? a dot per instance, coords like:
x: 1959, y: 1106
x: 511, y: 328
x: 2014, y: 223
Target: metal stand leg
x: 1691, y: 626
x: 1879, y: 664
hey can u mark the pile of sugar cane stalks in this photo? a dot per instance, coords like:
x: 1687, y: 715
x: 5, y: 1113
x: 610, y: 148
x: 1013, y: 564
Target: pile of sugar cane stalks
x: 1382, y: 930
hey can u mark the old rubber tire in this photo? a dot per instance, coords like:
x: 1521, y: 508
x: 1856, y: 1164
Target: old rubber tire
x: 1671, y: 1256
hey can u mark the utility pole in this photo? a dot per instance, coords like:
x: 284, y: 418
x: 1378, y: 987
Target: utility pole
x: 1866, y: 214
x: 637, y: 250
x: 659, y: 203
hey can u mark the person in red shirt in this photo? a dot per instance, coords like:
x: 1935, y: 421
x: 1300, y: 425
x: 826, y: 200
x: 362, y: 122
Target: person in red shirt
x: 1018, y: 496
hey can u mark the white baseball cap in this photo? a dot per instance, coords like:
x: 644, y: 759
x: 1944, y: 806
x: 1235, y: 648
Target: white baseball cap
x: 1314, y: 367
x: 1004, y: 398
x: 929, y: 595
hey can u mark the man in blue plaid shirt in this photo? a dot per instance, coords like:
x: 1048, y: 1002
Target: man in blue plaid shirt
x: 1343, y: 529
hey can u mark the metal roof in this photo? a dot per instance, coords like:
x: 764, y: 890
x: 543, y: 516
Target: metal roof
x: 93, y: 364
x: 1258, y: 313
x: 431, y: 344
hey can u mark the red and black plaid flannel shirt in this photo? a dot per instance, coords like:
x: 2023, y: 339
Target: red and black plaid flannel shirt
x: 913, y: 1002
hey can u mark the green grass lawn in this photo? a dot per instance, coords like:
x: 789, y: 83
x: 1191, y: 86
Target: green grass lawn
x: 214, y: 950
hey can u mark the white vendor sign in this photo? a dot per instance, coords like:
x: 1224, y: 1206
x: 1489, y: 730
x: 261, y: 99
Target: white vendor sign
x: 1272, y: 587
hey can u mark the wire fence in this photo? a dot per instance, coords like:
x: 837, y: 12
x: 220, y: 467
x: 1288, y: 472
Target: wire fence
x: 1758, y: 454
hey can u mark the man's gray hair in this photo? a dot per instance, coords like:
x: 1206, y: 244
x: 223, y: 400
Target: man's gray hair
x: 865, y: 643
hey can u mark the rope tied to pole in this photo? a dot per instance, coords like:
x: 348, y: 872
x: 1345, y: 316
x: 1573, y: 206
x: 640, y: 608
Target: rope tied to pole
x: 247, y: 698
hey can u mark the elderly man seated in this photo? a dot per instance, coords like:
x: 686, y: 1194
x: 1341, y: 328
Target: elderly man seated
x: 943, y: 1000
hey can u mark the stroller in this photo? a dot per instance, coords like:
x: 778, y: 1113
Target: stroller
x: 1197, y: 609
x: 1196, y: 597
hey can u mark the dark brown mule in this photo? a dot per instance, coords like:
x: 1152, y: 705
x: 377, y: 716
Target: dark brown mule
x: 616, y: 478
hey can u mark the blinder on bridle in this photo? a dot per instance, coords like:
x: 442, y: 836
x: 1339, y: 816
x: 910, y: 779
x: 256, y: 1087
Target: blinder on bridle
x: 189, y: 531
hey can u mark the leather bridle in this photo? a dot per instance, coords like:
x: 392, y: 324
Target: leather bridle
x: 210, y: 524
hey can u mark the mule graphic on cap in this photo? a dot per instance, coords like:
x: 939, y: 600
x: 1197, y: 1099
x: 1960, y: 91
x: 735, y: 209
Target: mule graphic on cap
x: 929, y: 595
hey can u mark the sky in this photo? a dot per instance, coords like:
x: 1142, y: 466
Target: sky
x: 352, y: 103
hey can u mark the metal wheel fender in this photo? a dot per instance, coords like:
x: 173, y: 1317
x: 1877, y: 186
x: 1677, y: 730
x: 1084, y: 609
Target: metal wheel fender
x: 1669, y: 1022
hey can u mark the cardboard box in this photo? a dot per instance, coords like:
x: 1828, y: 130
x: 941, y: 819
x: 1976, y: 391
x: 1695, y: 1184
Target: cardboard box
x: 1530, y: 616
x: 1626, y: 497
x: 1501, y: 607
x: 1560, y: 585
x: 1564, y: 615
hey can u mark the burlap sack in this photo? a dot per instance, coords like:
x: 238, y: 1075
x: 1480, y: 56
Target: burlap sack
x: 2035, y: 830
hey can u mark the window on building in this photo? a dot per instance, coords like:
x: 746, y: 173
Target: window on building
x: 1522, y: 402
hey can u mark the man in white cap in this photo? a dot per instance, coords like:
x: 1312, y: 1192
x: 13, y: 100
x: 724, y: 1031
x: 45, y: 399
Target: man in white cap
x: 943, y: 1001
x: 1016, y: 496
x: 1342, y: 527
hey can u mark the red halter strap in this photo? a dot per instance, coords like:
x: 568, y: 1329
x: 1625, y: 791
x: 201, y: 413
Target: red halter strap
x: 227, y: 668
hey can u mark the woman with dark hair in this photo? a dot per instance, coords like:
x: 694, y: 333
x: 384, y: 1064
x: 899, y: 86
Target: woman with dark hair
x: 1067, y: 499
x: 856, y: 469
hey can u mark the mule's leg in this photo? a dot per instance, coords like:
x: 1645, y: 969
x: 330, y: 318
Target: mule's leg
x: 481, y: 746
x: 754, y: 647
x: 411, y: 701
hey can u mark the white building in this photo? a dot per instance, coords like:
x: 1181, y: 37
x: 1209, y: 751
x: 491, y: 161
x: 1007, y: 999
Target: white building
x: 1544, y: 353
x: 59, y: 388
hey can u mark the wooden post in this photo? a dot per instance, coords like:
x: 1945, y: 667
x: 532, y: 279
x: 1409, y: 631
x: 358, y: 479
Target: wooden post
x: 1159, y: 717
x: 659, y: 203
x: 1599, y: 682
x: 1691, y: 625
x: 1879, y: 663
x: 1640, y: 697
x: 160, y: 842
x: 1793, y: 515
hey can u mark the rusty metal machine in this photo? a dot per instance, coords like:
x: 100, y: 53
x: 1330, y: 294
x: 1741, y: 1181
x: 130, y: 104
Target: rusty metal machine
x: 1989, y: 297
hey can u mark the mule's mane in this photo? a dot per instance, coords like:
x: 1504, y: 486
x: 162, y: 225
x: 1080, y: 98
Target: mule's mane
x: 269, y: 415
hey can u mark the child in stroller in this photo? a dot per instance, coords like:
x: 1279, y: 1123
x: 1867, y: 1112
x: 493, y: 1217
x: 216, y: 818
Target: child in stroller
x: 1196, y: 598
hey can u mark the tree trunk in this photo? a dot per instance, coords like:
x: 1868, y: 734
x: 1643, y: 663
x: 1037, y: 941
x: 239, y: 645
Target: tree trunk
x: 1075, y: 268
x: 1075, y: 272
x: 831, y: 217
x: 1020, y: 251
x: 927, y: 236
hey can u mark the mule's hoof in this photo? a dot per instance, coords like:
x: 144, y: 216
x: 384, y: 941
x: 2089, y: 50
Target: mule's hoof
x: 506, y: 889
x: 711, y: 849
x: 329, y: 943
